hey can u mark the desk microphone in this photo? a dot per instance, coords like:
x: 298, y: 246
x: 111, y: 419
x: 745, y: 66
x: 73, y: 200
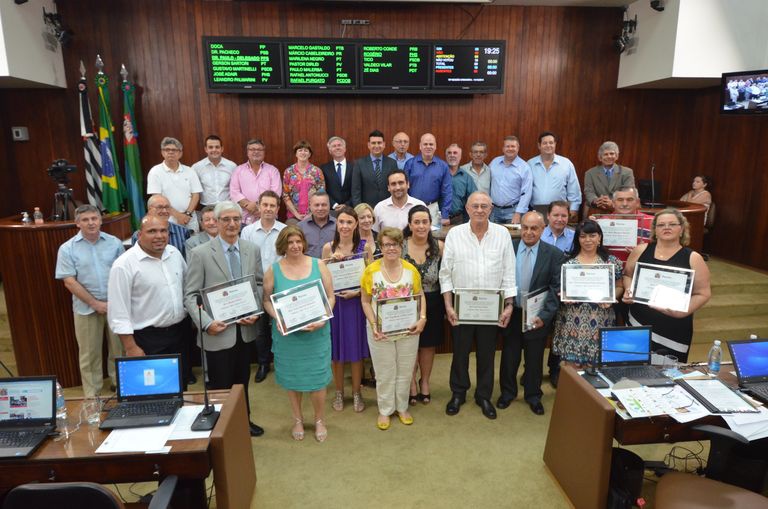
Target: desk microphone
x: 206, y: 419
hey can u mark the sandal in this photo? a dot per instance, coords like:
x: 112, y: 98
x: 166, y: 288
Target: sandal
x: 321, y: 432
x: 425, y: 399
x: 405, y: 418
x: 413, y: 399
x: 383, y: 422
x: 357, y: 402
x: 338, y: 401
x: 298, y: 435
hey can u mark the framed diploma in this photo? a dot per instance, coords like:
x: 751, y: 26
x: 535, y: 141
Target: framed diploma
x: 346, y: 273
x: 300, y: 306
x: 587, y: 283
x: 662, y: 286
x: 231, y: 301
x: 478, y: 306
x: 619, y: 230
x: 396, y: 315
x: 532, y: 304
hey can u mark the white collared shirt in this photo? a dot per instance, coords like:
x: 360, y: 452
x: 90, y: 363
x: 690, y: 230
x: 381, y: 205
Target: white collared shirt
x: 214, y: 179
x: 343, y: 169
x: 146, y: 291
x: 256, y: 234
x: 389, y: 214
x: 472, y: 263
x: 177, y: 186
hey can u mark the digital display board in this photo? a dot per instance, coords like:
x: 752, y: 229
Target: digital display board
x: 323, y: 65
x: 393, y: 65
x: 243, y: 64
x: 468, y: 65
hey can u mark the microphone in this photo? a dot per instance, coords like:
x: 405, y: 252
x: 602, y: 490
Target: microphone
x: 206, y: 419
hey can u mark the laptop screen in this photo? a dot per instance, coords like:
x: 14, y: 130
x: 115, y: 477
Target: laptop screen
x: 27, y: 398
x: 149, y: 376
x: 625, y: 345
x: 750, y: 358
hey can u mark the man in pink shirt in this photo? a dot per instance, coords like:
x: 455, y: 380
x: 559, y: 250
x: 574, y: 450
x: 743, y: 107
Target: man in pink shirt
x: 252, y: 178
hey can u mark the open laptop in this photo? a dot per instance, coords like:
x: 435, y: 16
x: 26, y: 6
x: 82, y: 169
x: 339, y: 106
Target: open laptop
x: 149, y: 392
x: 625, y: 352
x: 27, y: 414
x: 750, y: 358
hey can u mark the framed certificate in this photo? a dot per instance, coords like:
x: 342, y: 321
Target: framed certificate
x: 478, y: 306
x: 231, y: 301
x: 532, y: 304
x: 587, y: 283
x: 300, y: 306
x: 396, y: 315
x: 346, y: 273
x: 662, y: 286
x: 619, y: 230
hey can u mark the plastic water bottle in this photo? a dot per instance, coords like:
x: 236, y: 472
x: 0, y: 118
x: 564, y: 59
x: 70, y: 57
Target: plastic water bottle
x: 714, y: 358
x: 38, y: 216
x: 25, y: 219
x: 61, y: 407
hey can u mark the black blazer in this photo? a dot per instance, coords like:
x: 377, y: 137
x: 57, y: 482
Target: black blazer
x: 338, y: 193
x: 364, y: 187
x: 546, y: 272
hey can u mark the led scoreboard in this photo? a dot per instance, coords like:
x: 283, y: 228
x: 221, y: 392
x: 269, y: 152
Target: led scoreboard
x: 320, y: 66
x: 395, y: 66
x: 467, y: 66
x: 243, y: 65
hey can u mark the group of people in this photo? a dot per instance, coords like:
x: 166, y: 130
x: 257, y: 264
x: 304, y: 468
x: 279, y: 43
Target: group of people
x: 385, y: 210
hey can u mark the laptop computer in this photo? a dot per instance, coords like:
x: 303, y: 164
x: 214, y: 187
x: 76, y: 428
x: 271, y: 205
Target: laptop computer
x: 27, y: 414
x: 750, y: 358
x: 149, y: 392
x: 625, y: 352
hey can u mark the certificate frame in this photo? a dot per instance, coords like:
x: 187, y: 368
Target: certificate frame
x: 286, y: 300
x: 349, y: 282
x: 462, y: 294
x: 607, y: 296
x: 529, y: 298
x: 643, y: 271
x: 608, y: 235
x: 232, y: 300
x: 382, y: 306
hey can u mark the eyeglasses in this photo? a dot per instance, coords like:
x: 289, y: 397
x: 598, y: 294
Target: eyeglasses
x: 667, y: 225
x: 390, y: 246
x: 480, y: 206
x: 160, y: 207
x: 171, y: 150
x: 230, y: 219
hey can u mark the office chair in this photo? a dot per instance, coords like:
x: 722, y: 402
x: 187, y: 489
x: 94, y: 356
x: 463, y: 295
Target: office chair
x: 735, y: 460
x: 78, y: 495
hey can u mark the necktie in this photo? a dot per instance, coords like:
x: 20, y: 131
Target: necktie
x: 525, y: 271
x: 377, y: 173
x: 234, y: 263
x: 609, y: 172
x: 338, y: 173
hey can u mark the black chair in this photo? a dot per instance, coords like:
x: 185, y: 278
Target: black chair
x: 79, y: 495
x: 735, y: 460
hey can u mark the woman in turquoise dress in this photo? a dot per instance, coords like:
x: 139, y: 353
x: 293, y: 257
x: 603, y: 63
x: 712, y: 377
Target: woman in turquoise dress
x: 303, y: 358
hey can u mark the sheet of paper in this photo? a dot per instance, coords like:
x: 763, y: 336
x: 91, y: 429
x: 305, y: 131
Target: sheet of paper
x: 136, y: 439
x: 651, y: 401
x: 183, y: 422
x: 750, y: 426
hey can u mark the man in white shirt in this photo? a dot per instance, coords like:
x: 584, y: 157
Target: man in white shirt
x: 146, y: 294
x: 264, y: 234
x: 477, y: 255
x: 214, y: 172
x: 394, y: 210
x: 176, y: 182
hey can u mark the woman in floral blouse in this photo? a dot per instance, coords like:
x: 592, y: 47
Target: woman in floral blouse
x: 300, y: 181
x: 393, y: 356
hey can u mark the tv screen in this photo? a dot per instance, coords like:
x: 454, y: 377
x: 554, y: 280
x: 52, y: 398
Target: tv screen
x: 744, y: 92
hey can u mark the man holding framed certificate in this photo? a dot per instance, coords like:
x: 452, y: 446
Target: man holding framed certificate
x: 478, y: 256
x: 223, y: 260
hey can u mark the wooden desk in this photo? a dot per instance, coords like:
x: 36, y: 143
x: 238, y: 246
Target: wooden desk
x: 74, y: 459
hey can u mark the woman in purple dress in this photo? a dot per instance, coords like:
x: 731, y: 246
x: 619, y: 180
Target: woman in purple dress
x: 348, y: 328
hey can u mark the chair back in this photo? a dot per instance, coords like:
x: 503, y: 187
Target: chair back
x: 63, y: 495
x: 709, y: 218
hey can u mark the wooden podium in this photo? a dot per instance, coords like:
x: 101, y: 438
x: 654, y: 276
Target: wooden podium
x: 39, y: 306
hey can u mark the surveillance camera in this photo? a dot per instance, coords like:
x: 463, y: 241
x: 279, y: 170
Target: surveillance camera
x: 657, y: 5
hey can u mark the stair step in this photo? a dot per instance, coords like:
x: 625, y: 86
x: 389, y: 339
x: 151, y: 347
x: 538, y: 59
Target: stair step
x: 709, y: 329
x: 733, y: 305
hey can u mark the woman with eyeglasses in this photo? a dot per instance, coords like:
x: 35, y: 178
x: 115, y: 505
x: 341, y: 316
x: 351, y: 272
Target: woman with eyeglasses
x: 393, y: 355
x: 672, y: 330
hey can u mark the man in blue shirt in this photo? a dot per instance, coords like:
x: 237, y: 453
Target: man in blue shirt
x: 554, y: 178
x: 556, y: 232
x: 462, y: 182
x: 400, y: 143
x: 430, y: 179
x: 511, y: 183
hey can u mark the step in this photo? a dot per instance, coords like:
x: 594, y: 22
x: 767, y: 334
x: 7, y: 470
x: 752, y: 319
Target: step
x: 709, y: 329
x: 738, y: 287
x: 735, y: 305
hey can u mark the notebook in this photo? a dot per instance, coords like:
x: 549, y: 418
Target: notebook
x: 625, y: 352
x: 149, y: 392
x: 27, y: 414
x: 750, y: 358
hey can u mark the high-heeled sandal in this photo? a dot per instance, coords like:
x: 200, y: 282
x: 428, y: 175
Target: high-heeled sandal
x: 320, y: 435
x: 338, y: 401
x: 298, y: 435
x: 357, y: 402
x: 425, y: 398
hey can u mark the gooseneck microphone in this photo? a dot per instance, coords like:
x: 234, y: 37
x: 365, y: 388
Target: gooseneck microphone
x: 206, y: 419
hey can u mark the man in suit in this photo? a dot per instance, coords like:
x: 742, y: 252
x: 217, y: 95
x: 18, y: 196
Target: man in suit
x: 338, y: 174
x: 606, y: 178
x: 223, y: 259
x: 537, y: 268
x: 209, y: 228
x: 369, y: 176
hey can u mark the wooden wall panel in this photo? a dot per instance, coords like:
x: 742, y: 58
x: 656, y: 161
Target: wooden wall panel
x: 560, y: 75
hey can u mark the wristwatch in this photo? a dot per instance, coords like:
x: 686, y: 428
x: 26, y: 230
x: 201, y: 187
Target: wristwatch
x: 188, y: 213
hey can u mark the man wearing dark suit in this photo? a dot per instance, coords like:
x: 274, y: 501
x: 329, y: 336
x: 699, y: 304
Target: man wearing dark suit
x: 224, y: 258
x: 538, y: 266
x: 338, y: 174
x: 604, y: 179
x: 369, y: 176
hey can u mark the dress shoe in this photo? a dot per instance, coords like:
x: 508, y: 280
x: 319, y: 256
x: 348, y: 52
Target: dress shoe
x: 453, y: 406
x: 554, y: 376
x: 536, y: 407
x: 504, y: 402
x: 261, y: 373
x: 487, y: 407
x: 255, y: 429
x: 191, y: 379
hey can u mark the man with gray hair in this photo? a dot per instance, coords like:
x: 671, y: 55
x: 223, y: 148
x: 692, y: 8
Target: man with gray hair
x: 601, y: 181
x: 252, y: 178
x: 158, y: 205
x: 83, y: 264
x: 177, y: 182
x: 338, y: 174
x: 477, y: 169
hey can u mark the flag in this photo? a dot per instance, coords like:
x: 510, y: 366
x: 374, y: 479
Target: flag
x: 90, y: 147
x: 112, y: 192
x: 133, y: 177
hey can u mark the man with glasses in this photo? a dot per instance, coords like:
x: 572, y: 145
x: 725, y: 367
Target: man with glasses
x: 177, y: 182
x: 477, y: 169
x: 252, y: 178
x: 400, y: 143
x: 159, y: 206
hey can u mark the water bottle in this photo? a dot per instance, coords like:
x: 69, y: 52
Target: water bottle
x: 38, y: 216
x: 25, y: 219
x: 61, y: 407
x: 714, y: 358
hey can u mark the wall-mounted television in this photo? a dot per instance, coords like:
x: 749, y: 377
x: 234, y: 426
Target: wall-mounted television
x: 744, y: 92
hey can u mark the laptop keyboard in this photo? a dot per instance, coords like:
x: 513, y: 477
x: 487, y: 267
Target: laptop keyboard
x: 630, y: 372
x: 20, y: 438
x: 759, y: 390
x: 144, y: 408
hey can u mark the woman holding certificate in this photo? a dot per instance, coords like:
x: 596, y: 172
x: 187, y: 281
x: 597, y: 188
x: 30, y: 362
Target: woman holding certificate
x: 366, y: 220
x: 395, y: 309
x: 666, y: 263
x: 424, y: 252
x: 302, y: 358
x: 577, y: 322
x: 348, y: 330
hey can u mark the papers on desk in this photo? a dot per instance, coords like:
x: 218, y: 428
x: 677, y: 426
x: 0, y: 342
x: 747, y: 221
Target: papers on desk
x: 650, y: 401
x: 750, y: 426
x: 183, y: 423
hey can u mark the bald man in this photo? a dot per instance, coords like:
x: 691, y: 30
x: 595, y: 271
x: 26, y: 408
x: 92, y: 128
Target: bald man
x: 430, y: 179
